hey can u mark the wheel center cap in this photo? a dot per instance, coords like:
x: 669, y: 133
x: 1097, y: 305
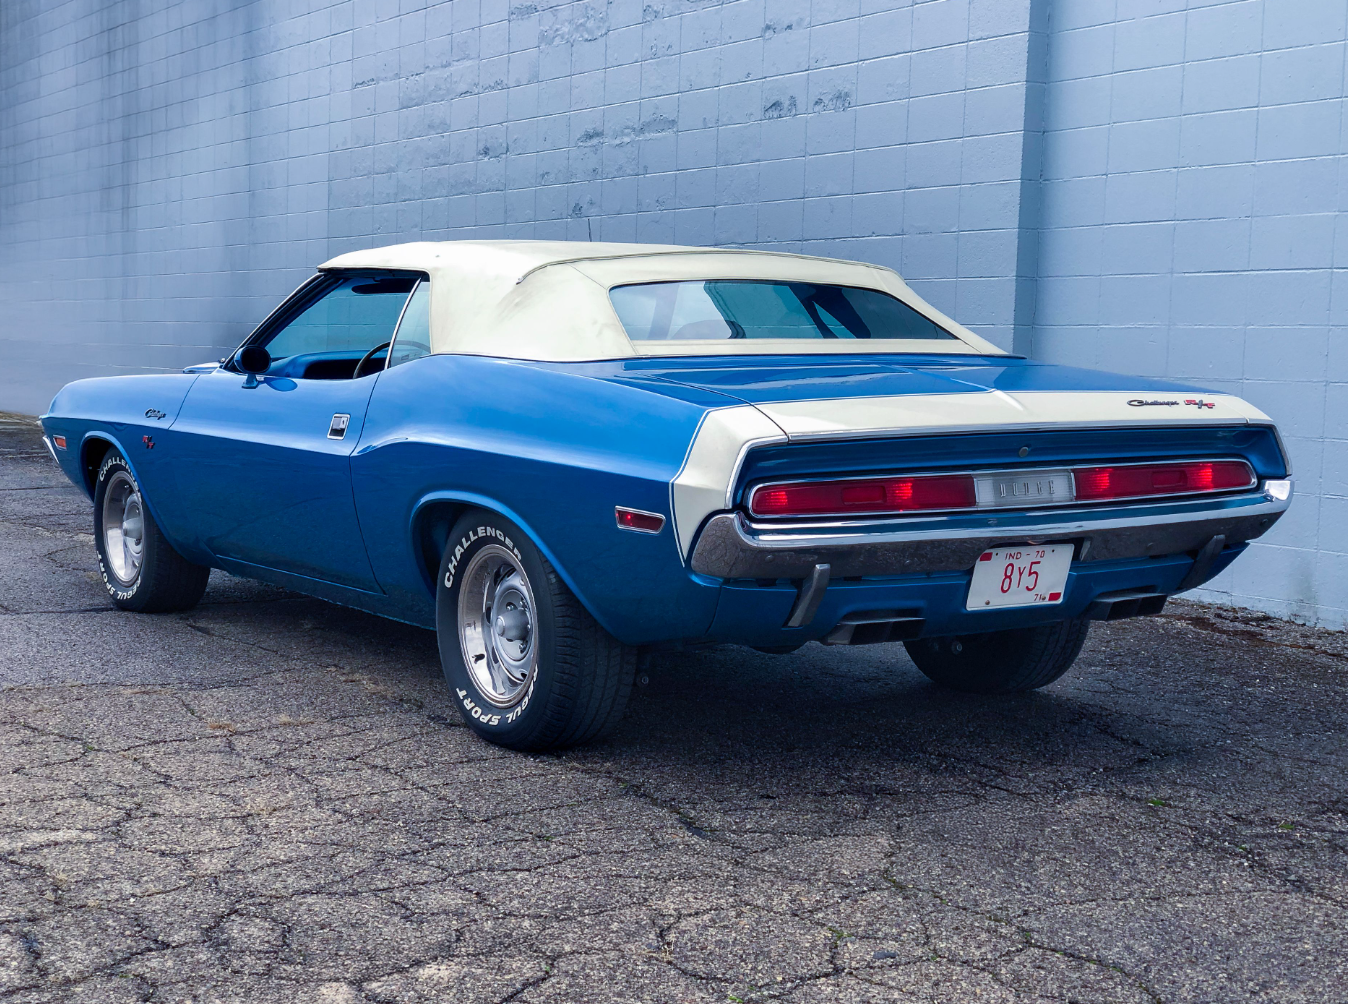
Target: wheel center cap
x: 512, y: 625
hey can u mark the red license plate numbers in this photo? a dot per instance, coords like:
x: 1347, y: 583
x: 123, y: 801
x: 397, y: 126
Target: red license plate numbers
x: 1025, y: 576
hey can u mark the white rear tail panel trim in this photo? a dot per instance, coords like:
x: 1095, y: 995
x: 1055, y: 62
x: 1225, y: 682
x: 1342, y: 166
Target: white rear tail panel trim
x: 997, y: 410
x: 704, y: 483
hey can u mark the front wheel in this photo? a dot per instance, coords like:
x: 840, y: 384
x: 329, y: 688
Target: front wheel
x: 1001, y: 662
x: 140, y: 568
x: 529, y: 668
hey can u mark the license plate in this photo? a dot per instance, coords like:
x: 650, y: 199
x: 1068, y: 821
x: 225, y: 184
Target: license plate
x: 1025, y: 576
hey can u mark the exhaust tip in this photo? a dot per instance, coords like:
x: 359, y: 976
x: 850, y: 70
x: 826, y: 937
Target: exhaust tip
x: 1130, y: 603
x: 871, y: 627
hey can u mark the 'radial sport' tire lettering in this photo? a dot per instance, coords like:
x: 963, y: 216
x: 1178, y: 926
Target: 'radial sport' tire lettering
x: 488, y: 718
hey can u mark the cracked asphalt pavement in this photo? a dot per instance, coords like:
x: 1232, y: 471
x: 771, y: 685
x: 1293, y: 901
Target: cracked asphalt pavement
x: 273, y: 799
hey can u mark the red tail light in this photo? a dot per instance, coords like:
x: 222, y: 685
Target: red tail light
x: 840, y: 498
x: 1135, y: 480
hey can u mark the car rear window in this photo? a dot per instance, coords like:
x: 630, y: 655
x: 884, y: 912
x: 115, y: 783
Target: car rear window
x: 748, y: 308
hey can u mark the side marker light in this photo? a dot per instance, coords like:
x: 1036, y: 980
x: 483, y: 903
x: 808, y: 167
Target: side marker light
x: 1280, y: 490
x: 636, y: 519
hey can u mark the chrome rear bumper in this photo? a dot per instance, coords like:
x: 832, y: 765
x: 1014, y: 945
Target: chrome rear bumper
x: 732, y: 547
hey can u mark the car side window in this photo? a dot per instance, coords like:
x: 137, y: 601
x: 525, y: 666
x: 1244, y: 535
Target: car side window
x: 413, y: 339
x: 332, y: 334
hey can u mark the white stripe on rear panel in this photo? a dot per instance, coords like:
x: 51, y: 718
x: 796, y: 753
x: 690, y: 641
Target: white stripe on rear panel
x: 998, y: 410
x: 703, y: 484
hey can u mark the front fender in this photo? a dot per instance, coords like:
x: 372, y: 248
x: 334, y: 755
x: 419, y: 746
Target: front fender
x: 148, y: 496
x: 122, y: 410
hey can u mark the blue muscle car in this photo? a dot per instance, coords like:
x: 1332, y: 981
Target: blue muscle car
x: 557, y: 454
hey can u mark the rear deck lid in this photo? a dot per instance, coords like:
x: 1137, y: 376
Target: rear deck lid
x: 811, y: 398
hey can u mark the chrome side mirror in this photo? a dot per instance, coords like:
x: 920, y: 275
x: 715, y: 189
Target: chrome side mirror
x: 252, y: 359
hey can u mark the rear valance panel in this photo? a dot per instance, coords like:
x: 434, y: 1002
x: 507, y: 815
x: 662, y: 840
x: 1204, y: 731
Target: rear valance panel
x: 967, y: 451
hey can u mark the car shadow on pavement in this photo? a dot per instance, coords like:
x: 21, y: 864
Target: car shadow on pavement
x: 839, y: 705
x: 867, y: 706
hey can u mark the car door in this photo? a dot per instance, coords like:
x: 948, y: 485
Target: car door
x: 263, y: 463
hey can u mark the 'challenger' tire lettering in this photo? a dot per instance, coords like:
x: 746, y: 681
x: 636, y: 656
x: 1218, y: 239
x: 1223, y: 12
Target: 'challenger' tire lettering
x: 462, y: 546
x: 482, y: 714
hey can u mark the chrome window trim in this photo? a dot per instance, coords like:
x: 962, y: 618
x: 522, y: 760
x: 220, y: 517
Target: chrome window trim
x: 398, y: 324
x: 263, y: 332
x: 753, y: 490
x: 264, y: 325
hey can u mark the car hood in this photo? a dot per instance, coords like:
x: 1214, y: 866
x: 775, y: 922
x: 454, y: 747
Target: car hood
x: 849, y: 396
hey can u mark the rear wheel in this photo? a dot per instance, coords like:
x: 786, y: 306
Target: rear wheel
x: 1001, y: 662
x: 140, y: 568
x: 529, y: 667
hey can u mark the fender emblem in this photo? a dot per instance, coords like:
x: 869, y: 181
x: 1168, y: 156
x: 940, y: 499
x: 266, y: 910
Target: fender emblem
x: 148, y: 441
x: 154, y: 413
x: 1198, y: 403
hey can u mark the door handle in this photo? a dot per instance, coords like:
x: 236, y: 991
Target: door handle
x: 337, y: 428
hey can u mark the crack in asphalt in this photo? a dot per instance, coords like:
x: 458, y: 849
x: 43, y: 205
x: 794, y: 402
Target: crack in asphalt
x: 281, y: 803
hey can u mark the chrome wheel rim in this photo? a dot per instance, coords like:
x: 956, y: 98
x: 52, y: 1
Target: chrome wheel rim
x: 497, y: 626
x: 123, y: 528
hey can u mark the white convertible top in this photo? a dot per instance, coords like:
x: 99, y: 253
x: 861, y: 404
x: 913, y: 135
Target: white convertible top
x: 548, y: 300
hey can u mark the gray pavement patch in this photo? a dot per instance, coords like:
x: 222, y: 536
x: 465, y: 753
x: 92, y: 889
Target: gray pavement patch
x: 271, y: 799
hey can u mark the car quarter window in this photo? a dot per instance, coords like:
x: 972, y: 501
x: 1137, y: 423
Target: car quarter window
x: 353, y: 315
x: 752, y: 308
x: 413, y: 339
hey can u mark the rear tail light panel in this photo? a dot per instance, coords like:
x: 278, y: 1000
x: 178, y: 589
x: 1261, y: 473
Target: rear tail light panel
x: 980, y: 490
x: 1185, y: 477
x: 865, y: 496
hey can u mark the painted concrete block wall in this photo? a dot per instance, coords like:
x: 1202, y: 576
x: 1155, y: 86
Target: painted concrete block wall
x: 1156, y: 186
x: 167, y: 174
x: 1195, y: 225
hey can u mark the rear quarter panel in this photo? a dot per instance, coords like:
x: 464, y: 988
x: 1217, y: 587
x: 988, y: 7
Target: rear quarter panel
x: 553, y: 447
